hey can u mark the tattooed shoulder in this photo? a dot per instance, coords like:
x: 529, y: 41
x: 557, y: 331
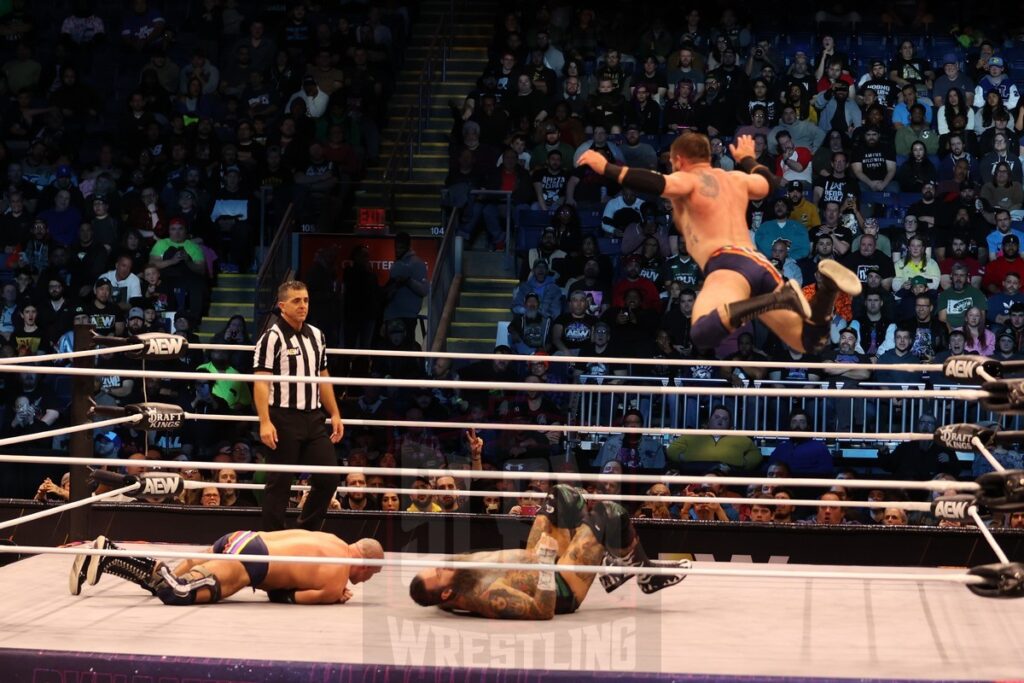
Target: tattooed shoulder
x: 708, y: 185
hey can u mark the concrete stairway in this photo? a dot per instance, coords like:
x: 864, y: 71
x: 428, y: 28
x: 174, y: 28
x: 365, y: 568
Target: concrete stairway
x: 233, y: 295
x: 417, y: 205
x: 484, y: 300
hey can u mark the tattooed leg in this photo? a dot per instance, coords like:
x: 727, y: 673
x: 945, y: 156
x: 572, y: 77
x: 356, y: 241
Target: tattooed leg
x: 583, y: 550
x: 542, y: 525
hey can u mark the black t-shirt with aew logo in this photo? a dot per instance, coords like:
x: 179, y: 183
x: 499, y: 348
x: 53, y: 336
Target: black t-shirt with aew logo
x: 324, y: 168
x: 576, y: 331
x: 103, y: 319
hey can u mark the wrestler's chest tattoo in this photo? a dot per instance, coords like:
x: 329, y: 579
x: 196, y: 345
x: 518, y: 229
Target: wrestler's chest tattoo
x: 708, y: 185
x: 523, y: 581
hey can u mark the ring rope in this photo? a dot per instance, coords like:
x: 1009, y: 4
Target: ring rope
x: 987, y: 535
x: 69, y: 355
x: 596, y: 429
x: 981, y: 448
x: 961, y: 394
x: 913, y: 506
x: 49, y: 433
x: 938, y: 577
x: 60, y: 509
x: 679, y: 362
x: 570, y: 477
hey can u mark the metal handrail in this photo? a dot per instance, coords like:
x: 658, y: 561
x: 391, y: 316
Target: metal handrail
x: 410, y: 136
x: 276, y: 262
x: 447, y: 269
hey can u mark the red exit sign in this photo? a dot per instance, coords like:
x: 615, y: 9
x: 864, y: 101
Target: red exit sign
x: 371, y: 218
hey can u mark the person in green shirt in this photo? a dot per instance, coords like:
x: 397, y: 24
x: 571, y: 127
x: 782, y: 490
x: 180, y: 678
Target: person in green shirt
x: 182, y: 265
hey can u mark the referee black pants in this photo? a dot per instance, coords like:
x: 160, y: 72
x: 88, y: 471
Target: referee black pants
x: 301, y: 440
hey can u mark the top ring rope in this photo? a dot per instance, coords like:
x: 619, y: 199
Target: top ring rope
x: 706, y: 568
x: 570, y: 477
x: 676, y: 362
x: 69, y: 355
x: 960, y: 394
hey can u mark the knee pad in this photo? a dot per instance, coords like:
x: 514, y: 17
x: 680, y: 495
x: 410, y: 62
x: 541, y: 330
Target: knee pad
x: 611, y: 525
x: 564, y: 507
x: 182, y: 590
x: 707, y: 331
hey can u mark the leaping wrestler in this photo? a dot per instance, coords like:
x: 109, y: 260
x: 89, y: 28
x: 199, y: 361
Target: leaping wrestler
x: 563, y: 531
x: 709, y: 208
x: 209, y: 581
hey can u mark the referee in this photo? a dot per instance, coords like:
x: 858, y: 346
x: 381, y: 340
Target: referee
x: 292, y: 415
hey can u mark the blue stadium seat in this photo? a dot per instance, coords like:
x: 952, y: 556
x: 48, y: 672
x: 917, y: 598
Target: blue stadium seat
x: 590, y: 222
x: 873, y: 44
x: 609, y: 246
x: 947, y: 43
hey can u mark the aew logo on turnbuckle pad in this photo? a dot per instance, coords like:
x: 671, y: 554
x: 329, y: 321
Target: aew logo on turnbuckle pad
x: 953, y: 507
x: 159, y: 486
x: 968, y: 367
x: 159, y: 346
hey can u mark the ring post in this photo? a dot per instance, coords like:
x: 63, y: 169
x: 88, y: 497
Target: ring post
x: 80, y: 444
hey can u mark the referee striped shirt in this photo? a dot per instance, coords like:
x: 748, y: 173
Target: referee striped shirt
x: 285, y: 351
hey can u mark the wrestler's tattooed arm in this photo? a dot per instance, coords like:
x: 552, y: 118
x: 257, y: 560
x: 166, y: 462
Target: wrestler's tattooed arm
x: 501, y: 601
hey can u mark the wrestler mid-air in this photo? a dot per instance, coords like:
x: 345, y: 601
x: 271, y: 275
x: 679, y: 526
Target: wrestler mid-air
x: 194, y: 581
x: 709, y: 207
x: 563, y: 532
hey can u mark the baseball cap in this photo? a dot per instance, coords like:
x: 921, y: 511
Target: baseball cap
x: 308, y: 80
x: 950, y: 58
x: 100, y: 198
x: 63, y: 171
x: 788, y: 243
x: 550, y: 128
x: 876, y: 62
x: 929, y: 182
x: 919, y: 280
x: 1011, y: 238
x: 178, y: 220
x: 632, y: 126
x: 996, y: 61
x: 1017, y: 308
x: 396, y: 326
x: 136, y: 313
x: 1008, y: 335
x: 550, y: 229
x: 102, y: 281
x: 794, y: 185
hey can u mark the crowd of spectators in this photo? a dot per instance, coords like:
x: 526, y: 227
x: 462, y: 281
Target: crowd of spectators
x: 904, y: 166
x: 145, y: 143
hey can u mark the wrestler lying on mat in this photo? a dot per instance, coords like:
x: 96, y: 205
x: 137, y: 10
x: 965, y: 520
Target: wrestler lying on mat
x: 564, y: 529
x: 194, y: 581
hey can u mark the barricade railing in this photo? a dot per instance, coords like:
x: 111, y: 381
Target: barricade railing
x: 771, y: 413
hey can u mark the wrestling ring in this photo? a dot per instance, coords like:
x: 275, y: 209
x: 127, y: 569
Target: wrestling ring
x: 734, y: 620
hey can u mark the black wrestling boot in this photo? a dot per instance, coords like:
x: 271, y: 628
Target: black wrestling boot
x: 835, y: 278
x: 138, y: 570
x: 650, y: 583
x: 787, y: 297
